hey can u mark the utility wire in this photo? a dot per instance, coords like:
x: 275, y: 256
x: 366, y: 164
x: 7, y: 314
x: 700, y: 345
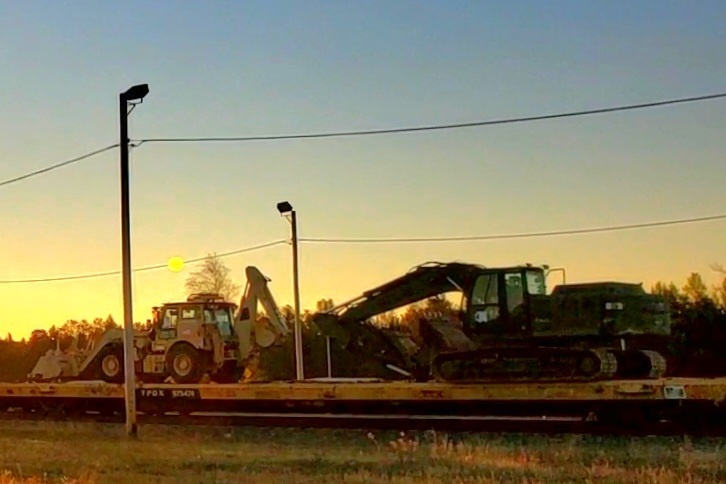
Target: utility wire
x: 136, y: 143
x: 58, y: 165
x: 432, y: 127
x: 140, y: 269
x: 515, y: 236
x: 390, y: 240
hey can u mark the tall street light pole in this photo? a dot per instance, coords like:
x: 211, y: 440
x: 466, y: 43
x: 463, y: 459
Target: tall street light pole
x: 285, y: 208
x: 132, y: 96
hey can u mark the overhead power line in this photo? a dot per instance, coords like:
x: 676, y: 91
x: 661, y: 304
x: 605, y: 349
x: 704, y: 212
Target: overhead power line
x: 140, y: 269
x: 56, y: 166
x: 334, y: 134
x: 370, y: 132
x: 612, y: 228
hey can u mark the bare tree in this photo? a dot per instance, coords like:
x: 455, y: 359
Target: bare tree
x: 212, y: 277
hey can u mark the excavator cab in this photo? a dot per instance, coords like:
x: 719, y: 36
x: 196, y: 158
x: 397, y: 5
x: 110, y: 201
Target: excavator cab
x: 499, y: 300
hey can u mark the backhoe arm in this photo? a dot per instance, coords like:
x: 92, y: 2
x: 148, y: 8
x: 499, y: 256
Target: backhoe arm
x: 250, y: 330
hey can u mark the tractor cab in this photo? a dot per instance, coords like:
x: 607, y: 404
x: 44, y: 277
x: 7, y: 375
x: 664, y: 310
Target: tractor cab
x: 190, y: 337
x: 201, y: 321
x: 186, y: 319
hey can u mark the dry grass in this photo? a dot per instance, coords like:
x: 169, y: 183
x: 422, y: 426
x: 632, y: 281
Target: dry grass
x: 34, y: 453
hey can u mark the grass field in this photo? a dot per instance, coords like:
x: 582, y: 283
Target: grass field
x: 35, y: 452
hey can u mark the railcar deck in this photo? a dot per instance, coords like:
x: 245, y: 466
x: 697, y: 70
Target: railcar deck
x: 695, y: 402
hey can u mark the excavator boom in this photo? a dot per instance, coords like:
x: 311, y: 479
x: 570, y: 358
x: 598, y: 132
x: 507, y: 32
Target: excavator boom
x: 420, y: 283
x: 348, y: 323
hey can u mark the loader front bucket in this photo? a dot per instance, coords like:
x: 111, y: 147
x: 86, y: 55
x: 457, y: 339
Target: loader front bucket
x: 53, y: 365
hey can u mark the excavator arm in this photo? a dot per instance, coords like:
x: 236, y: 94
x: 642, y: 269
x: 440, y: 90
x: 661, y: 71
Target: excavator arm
x: 349, y: 324
x: 253, y: 331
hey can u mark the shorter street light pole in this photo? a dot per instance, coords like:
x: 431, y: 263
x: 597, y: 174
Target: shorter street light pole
x: 285, y: 208
x: 131, y: 97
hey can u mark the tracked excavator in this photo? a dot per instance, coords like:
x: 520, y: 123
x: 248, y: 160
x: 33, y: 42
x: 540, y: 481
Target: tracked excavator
x: 186, y: 341
x: 507, y: 327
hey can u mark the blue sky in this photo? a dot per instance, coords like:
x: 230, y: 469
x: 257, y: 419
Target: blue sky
x: 259, y: 68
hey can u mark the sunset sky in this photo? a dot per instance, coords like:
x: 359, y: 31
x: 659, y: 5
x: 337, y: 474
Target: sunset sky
x: 230, y: 68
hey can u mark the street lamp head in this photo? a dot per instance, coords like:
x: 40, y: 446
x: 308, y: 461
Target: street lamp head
x: 136, y: 93
x: 284, y: 207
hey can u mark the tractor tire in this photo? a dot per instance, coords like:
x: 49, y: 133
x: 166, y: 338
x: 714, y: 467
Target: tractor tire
x: 110, y: 364
x: 184, y: 364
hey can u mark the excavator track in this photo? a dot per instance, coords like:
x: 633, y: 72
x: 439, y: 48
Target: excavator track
x: 658, y: 364
x: 637, y: 364
x: 525, y: 364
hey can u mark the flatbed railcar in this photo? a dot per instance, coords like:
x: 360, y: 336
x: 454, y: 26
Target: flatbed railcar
x: 691, y: 402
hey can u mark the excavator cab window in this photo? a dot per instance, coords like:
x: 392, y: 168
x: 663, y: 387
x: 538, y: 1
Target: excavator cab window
x: 517, y: 285
x: 485, y: 290
x: 485, y: 301
x: 515, y: 291
x: 536, y: 283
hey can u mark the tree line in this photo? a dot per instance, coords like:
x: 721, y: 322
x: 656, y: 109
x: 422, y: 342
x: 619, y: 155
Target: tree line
x: 698, y: 325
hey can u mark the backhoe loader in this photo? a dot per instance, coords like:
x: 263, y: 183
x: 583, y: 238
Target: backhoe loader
x: 186, y: 341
